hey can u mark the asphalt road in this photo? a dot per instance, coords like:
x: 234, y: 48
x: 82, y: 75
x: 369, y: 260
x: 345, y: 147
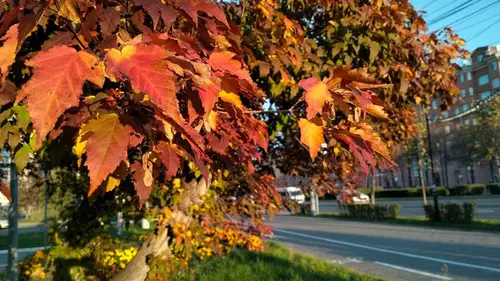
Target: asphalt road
x: 394, y: 252
x: 488, y: 207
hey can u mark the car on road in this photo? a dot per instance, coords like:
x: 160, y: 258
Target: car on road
x: 292, y: 193
x: 353, y: 197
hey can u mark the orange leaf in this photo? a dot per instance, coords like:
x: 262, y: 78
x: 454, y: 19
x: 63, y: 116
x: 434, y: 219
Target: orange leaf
x: 143, y: 65
x: 56, y: 85
x: 8, y: 49
x: 316, y: 95
x: 106, y: 147
x: 143, y: 190
x: 169, y: 156
x: 311, y: 134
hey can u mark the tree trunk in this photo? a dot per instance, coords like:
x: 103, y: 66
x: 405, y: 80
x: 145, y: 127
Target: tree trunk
x: 158, y: 244
x: 472, y: 174
x: 421, y: 178
x: 372, y: 196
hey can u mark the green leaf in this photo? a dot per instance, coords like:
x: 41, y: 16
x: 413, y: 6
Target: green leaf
x: 22, y: 157
x: 23, y: 117
x: 374, y: 50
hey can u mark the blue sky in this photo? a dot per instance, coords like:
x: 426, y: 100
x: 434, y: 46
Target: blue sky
x: 477, y: 21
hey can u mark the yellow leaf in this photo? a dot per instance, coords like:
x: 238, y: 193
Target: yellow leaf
x: 211, y: 120
x: 377, y: 111
x: 231, y: 98
x: 418, y: 100
x: 79, y: 147
x: 311, y: 134
x: 111, y: 183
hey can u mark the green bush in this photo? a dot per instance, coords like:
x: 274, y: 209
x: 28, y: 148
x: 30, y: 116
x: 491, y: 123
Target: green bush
x: 371, y: 212
x: 467, y: 189
x: 494, y: 188
x: 452, y: 212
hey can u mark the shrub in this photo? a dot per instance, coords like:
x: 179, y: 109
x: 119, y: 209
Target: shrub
x: 467, y: 189
x: 494, y: 188
x: 476, y: 189
x: 371, y: 212
x: 452, y: 212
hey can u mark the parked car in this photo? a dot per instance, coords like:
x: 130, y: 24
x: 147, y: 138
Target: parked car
x: 356, y: 197
x: 292, y: 193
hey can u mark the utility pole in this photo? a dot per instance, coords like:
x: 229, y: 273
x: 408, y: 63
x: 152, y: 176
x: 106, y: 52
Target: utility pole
x: 436, y: 204
x: 13, y: 214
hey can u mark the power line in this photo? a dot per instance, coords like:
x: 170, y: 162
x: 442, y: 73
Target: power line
x: 483, y: 31
x: 469, y: 16
x: 453, y: 11
x: 475, y: 24
x: 438, y: 9
x: 428, y: 4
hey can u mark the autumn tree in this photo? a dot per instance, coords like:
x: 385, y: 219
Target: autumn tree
x: 162, y: 101
x: 290, y: 41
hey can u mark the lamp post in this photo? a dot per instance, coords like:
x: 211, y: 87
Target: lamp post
x: 433, y: 176
x: 12, y: 252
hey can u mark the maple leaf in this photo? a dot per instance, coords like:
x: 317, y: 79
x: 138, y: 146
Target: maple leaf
x: 311, y: 134
x: 8, y: 49
x: 156, y: 9
x: 61, y: 38
x: 224, y: 61
x: 192, y: 7
x: 169, y: 156
x: 142, y: 64
x: 231, y: 98
x: 56, y: 85
x: 316, y: 96
x: 106, y: 146
x: 71, y: 9
x: 7, y: 92
x: 109, y: 20
x: 209, y: 94
x: 140, y: 184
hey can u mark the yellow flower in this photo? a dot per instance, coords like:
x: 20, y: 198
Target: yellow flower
x: 122, y: 265
x: 42, y: 275
x: 27, y: 272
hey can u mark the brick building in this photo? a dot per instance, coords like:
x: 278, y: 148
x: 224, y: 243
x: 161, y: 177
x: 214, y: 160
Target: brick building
x: 479, y: 81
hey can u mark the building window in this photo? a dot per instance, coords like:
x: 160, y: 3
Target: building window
x: 494, y: 65
x: 434, y: 104
x: 480, y: 58
x: 447, y: 129
x: 467, y: 122
x: 457, y: 111
x: 485, y: 95
x: 496, y: 82
x: 445, y: 115
x: 461, y: 77
x: 483, y: 80
x: 469, y: 76
x: 465, y: 107
x: 463, y: 93
x: 471, y: 91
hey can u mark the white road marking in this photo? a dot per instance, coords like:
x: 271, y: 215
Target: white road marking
x: 389, y: 251
x: 481, y: 211
x: 414, y: 271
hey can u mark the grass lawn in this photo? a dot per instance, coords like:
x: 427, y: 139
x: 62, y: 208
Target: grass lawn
x: 476, y: 224
x: 26, y: 240
x: 276, y: 263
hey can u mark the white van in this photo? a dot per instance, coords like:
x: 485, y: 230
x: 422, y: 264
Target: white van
x: 292, y: 193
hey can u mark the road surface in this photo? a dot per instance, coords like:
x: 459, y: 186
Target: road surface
x: 488, y: 207
x: 394, y: 252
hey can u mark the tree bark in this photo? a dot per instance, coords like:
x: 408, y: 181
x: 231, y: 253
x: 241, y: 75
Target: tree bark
x: 158, y: 243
